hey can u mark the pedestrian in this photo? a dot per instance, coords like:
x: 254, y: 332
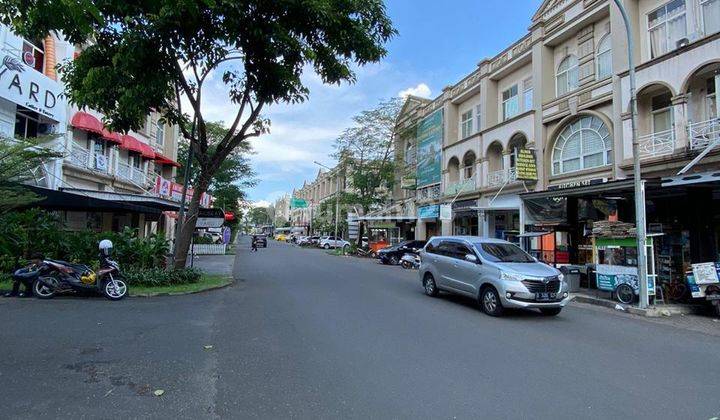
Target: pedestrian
x: 25, y: 276
x: 253, y: 244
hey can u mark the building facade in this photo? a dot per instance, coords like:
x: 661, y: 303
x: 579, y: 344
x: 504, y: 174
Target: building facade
x: 323, y: 188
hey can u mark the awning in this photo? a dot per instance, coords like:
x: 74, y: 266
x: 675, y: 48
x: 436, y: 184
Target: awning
x: 111, y: 136
x: 84, y: 121
x: 145, y: 200
x: 164, y: 160
x: 387, y: 218
x: 81, y: 201
x: 599, y: 190
x: 135, y: 145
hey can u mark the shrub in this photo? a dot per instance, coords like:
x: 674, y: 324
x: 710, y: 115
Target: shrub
x: 153, y: 277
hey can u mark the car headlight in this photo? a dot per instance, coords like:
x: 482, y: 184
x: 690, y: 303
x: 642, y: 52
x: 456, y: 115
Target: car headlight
x: 510, y: 276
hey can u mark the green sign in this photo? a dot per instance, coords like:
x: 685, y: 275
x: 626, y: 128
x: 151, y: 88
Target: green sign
x: 429, y: 149
x: 408, y: 182
x: 298, y: 203
x: 526, y: 165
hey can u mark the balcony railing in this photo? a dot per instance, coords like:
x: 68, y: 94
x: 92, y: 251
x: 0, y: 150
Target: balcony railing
x: 502, y: 177
x: 464, y: 185
x: 134, y: 175
x: 657, y: 144
x: 704, y: 133
x: 84, y: 158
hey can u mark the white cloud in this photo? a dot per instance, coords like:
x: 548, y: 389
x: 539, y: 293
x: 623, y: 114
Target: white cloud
x: 261, y: 203
x: 422, y: 90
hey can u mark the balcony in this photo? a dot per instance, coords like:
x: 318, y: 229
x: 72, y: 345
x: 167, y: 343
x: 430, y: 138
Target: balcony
x: 502, y: 177
x: 703, y: 134
x: 84, y: 158
x: 657, y: 144
x: 462, y: 186
x: 133, y: 175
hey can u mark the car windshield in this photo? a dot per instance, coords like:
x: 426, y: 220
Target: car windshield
x: 503, y: 253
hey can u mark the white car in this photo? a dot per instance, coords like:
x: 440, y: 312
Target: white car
x: 328, y: 242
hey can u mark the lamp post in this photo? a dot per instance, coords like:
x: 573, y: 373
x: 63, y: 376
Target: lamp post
x: 337, y: 203
x: 639, y: 183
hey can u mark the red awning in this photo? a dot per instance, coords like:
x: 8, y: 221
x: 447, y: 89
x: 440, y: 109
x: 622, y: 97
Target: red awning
x: 164, y: 160
x: 135, y: 145
x: 85, y: 121
x: 111, y: 136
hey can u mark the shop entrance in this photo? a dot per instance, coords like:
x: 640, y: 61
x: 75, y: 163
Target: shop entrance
x: 502, y: 224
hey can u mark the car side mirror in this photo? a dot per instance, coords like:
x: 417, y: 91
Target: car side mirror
x: 471, y: 258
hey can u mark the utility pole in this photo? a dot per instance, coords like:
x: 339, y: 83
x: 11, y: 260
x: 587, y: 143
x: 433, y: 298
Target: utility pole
x: 639, y: 183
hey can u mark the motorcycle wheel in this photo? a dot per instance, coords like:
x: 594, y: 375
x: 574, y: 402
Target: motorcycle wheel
x: 405, y: 265
x: 111, y: 293
x: 41, y: 291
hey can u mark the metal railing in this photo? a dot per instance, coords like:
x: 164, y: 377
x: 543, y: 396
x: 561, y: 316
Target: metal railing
x: 502, y: 177
x: 704, y: 133
x: 124, y: 170
x: 464, y: 185
x: 657, y: 144
x: 84, y: 158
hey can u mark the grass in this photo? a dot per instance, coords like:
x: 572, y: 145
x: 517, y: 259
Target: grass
x: 206, y: 282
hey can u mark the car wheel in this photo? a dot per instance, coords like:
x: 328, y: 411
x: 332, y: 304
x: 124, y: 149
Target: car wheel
x: 550, y: 311
x: 625, y: 294
x: 490, y: 301
x: 430, y: 286
x: 326, y: 246
x: 393, y: 260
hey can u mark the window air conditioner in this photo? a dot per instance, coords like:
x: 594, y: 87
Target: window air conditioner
x: 682, y: 42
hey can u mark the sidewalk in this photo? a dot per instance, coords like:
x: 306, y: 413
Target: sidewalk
x: 214, y: 264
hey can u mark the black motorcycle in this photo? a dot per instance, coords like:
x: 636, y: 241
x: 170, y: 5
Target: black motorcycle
x: 61, y: 277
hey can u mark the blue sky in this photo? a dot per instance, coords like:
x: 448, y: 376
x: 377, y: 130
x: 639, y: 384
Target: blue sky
x: 438, y: 43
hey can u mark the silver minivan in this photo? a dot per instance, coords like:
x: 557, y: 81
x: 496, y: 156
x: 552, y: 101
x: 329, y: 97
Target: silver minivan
x: 495, y: 272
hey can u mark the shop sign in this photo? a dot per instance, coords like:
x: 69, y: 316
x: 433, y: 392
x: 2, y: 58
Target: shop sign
x: 210, y: 218
x: 464, y: 205
x: 408, y: 182
x: 526, y: 165
x: 445, y: 212
x: 298, y: 203
x: 609, y: 277
x: 576, y: 184
x: 429, y: 212
x: 706, y: 273
x: 429, y: 141
x: 28, y: 87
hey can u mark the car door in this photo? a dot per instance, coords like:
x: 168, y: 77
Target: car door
x: 436, y: 257
x: 465, y: 273
x: 454, y: 266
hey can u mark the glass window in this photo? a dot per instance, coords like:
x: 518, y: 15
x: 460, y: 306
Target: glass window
x: 567, y: 78
x: 662, y: 119
x: 511, y: 105
x: 478, y: 116
x: 710, y: 16
x: 584, y: 143
x: 466, y: 124
x: 711, y: 110
x: 160, y: 133
x: 666, y: 26
x: 33, y: 54
x: 458, y: 250
x: 500, y: 252
x: 604, y: 58
x: 26, y: 123
x: 528, y: 94
x: 432, y: 246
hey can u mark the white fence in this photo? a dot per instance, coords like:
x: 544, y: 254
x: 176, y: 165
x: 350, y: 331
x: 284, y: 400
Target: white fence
x: 208, y: 249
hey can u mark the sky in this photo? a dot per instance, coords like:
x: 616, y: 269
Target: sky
x: 438, y: 43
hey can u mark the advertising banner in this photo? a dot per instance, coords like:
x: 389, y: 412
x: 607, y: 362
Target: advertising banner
x: 526, y: 165
x: 429, y: 149
x: 429, y: 212
x: 23, y: 85
x: 609, y: 277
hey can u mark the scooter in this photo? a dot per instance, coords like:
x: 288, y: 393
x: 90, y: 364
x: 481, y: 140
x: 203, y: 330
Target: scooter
x: 410, y: 261
x: 61, y: 276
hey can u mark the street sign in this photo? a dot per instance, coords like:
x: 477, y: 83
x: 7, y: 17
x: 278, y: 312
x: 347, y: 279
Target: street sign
x: 445, y: 212
x: 210, y: 218
x: 298, y: 203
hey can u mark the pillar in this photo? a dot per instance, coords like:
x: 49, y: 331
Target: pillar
x: 420, y: 230
x: 680, y: 121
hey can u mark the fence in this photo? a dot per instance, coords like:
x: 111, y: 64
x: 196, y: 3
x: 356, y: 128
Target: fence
x: 209, y: 249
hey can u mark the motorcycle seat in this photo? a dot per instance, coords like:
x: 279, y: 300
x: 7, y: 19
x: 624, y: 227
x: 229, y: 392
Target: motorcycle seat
x: 76, y: 267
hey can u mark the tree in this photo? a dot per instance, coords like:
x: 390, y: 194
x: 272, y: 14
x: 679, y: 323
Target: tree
x: 258, y: 216
x: 366, y: 152
x: 148, y: 55
x: 20, y: 159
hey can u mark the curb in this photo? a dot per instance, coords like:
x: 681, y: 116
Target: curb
x: 653, y: 312
x: 194, y: 292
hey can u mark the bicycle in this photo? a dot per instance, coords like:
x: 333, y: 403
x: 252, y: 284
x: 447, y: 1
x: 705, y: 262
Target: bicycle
x: 674, y: 289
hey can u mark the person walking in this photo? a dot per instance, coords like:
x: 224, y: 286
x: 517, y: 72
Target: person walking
x: 253, y: 244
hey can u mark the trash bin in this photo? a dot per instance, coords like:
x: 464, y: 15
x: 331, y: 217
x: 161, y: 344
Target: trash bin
x: 572, y: 277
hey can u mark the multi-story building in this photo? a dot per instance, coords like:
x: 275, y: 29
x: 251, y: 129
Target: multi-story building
x: 103, y: 180
x: 282, y: 210
x: 323, y: 188
x: 548, y: 119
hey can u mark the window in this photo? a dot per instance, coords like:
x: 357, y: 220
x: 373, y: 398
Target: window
x: 711, y: 99
x: 33, y: 54
x: 528, y: 94
x: 511, y: 105
x: 710, y: 16
x: 567, y: 78
x: 500, y: 252
x: 478, y: 117
x: 604, y: 58
x: 100, y: 146
x: 160, y: 133
x: 457, y: 250
x: 433, y: 247
x: 662, y: 116
x: 666, y: 26
x: 466, y: 124
x: 26, y: 123
x: 583, y: 144
x: 135, y: 160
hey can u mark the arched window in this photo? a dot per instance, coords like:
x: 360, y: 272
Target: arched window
x: 567, y: 75
x: 604, y: 58
x: 583, y: 144
x: 469, y: 164
x: 453, y: 170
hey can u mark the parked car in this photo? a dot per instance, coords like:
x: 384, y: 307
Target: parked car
x: 328, y: 242
x: 261, y: 240
x: 281, y: 237
x: 392, y: 255
x: 308, y: 240
x: 495, y: 272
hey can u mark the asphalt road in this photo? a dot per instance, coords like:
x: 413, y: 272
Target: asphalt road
x: 303, y: 334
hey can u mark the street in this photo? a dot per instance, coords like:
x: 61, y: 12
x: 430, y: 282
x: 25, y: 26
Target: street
x: 305, y: 334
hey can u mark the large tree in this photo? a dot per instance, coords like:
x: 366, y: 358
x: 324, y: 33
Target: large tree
x: 366, y: 152
x: 144, y: 55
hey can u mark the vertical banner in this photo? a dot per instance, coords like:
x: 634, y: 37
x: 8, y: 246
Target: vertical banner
x: 429, y: 149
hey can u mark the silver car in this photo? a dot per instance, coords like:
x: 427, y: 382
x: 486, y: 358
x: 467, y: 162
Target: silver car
x: 495, y: 272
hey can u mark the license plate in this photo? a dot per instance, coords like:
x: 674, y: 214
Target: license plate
x: 545, y: 296
x: 712, y: 297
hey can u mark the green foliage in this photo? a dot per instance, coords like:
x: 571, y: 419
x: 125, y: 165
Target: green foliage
x: 155, y: 277
x: 20, y: 160
x: 203, y: 240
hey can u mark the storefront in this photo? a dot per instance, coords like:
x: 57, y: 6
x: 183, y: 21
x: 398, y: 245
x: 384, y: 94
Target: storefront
x: 465, y: 217
x: 500, y: 217
x: 428, y: 222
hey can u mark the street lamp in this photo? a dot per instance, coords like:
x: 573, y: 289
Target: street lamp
x: 337, y: 202
x: 639, y: 183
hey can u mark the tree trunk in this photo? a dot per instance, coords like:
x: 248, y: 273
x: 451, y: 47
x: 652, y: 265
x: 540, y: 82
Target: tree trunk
x: 182, y: 242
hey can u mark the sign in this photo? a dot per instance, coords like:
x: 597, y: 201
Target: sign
x: 210, y: 218
x: 575, y: 184
x: 298, y: 203
x: 101, y: 162
x: 167, y: 189
x: 445, y: 212
x: 226, y: 233
x: 429, y: 141
x: 609, y: 277
x: 706, y: 273
x: 408, y: 182
x: 429, y: 212
x: 526, y: 165
x: 25, y: 86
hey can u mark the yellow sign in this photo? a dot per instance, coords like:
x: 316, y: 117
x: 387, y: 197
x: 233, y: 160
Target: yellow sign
x: 526, y: 165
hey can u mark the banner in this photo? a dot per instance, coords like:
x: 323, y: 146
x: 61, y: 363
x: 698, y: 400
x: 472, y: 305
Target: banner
x: 25, y: 86
x: 609, y: 277
x: 429, y: 212
x: 298, y: 203
x: 164, y: 188
x: 526, y: 165
x: 429, y: 149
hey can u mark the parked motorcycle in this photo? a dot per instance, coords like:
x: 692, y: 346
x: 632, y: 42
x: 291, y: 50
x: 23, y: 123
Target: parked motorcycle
x: 410, y: 261
x: 61, y: 276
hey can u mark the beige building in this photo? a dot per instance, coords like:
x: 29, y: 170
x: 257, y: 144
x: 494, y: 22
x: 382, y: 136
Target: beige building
x: 323, y: 188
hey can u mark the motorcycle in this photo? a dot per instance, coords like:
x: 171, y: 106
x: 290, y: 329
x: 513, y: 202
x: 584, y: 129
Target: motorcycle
x: 410, y: 261
x: 61, y: 276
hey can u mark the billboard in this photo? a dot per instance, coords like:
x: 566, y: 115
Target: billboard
x: 429, y: 149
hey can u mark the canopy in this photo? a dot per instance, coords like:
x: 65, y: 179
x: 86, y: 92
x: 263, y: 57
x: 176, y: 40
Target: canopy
x: 84, y: 121
x: 135, y: 145
x: 111, y: 136
x: 164, y: 160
